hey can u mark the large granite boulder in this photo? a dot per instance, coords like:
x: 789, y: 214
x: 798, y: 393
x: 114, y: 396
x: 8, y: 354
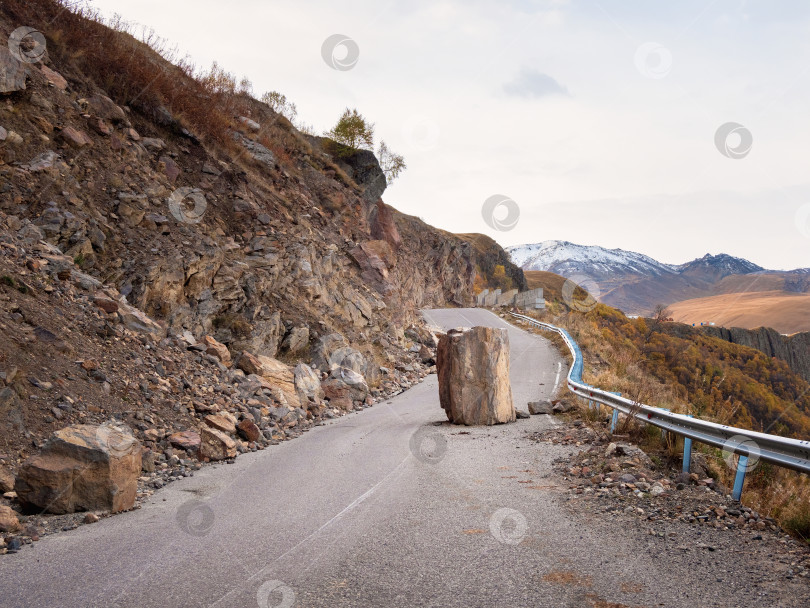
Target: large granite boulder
x: 84, y: 467
x: 473, y: 370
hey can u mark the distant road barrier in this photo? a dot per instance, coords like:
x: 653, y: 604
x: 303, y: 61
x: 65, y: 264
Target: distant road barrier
x: 749, y: 445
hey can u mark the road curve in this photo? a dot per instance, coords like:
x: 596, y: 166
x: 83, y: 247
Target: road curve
x: 391, y: 506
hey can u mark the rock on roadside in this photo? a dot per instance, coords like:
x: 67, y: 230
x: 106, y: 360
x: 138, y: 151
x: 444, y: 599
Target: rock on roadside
x: 83, y: 467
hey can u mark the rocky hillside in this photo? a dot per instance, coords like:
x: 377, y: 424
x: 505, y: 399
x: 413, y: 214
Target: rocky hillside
x: 168, y: 243
x: 489, y: 256
x: 793, y: 349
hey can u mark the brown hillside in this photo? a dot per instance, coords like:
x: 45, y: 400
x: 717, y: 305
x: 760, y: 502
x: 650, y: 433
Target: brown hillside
x: 787, y: 313
x: 489, y: 255
x: 551, y: 283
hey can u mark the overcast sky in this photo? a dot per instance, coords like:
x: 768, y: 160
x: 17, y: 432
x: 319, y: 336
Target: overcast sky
x: 598, y: 119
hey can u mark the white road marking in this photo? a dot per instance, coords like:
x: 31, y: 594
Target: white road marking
x: 557, y: 379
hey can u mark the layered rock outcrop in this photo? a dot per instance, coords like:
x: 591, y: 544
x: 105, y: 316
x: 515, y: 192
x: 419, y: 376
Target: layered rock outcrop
x: 794, y: 349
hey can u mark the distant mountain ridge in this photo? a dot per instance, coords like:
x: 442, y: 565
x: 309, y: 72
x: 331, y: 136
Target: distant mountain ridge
x: 635, y: 283
x: 554, y: 256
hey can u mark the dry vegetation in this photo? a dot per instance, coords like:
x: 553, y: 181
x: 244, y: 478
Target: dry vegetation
x: 494, y: 268
x: 667, y: 365
x: 204, y: 101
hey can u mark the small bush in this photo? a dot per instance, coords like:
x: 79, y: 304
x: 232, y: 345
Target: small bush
x: 351, y: 133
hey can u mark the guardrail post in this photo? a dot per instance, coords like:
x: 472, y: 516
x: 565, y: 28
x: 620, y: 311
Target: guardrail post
x: 739, y: 480
x: 614, y: 421
x: 663, y: 432
x: 687, y: 452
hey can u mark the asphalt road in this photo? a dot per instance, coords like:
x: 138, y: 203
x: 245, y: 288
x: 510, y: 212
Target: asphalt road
x: 391, y: 506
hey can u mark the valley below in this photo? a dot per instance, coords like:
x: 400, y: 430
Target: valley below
x: 787, y: 313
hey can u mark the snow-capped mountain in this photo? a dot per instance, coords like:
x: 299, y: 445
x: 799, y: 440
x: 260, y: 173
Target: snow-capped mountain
x: 718, y: 264
x: 569, y: 259
x: 628, y: 280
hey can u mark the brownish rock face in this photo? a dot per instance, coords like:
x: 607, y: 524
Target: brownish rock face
x: 83, y: 467
x: 8, y: 520
x: 248, y: 430
x: 275, y: 373
x: 216, y: 445
x: 185, y: 440
x: 221, y: 422
x: 473, y: 370
x: 217, y: 349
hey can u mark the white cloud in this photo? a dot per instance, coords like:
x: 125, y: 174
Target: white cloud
x: 534, y: 83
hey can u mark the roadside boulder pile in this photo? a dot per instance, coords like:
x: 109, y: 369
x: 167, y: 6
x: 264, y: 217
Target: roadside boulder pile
x: 625, y: 480
x: 473, y: 370
x: 75, y: 353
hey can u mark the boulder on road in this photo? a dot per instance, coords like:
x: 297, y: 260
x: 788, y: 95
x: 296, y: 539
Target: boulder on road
x: 473, y: 370
x: 562, y: 406
x: 84, y: 467
x: 540, y: 407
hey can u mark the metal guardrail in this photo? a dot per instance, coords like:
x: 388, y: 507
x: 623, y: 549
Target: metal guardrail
x: 783, y: 451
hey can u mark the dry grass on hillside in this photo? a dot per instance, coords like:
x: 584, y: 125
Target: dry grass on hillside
x: 551, y: 283
x: 726, y: 383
